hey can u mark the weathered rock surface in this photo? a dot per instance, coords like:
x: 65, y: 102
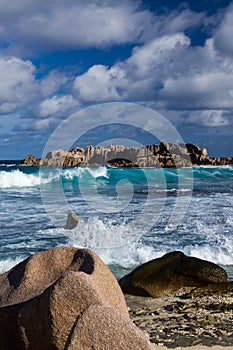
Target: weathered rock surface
x: 95, y: 329
x: 31, y: 277
x: 122, y: 163
x: 43, y: 299
x: 166, y: 154
x: 30, y: 160
x: 169, y: 273
x: 72, y: 221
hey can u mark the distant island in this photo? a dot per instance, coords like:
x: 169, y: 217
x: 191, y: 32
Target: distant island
x: 165, y: 155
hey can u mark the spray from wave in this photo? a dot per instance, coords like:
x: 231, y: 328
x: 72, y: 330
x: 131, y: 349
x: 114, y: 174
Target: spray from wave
x: 19, y: 179
x: 219, y: 251
x: 7, y: 264
x: 96, y: 234
x: 85, y: 172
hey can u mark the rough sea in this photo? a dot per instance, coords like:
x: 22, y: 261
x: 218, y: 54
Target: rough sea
x: 129, y: 216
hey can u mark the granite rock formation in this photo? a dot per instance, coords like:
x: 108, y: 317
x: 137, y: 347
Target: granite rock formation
x: 170, y: 273
x: 72, y: 221
x: 30, y: 160
x: 96, y: 327
x: 165, y: 154
x: 47, y: 301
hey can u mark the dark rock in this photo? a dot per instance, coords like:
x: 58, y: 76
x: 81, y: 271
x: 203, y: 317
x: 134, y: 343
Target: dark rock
x: 170, y: 273
x: 9, y: 332
x: 213, y: 288
x: 193, y: 149
x: 122, y: 163
x: 201, y: 269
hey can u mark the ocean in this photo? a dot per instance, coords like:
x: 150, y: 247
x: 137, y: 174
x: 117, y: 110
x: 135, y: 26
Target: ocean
x: 129, y: 215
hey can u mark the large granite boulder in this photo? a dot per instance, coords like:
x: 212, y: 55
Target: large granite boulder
x: 43, y: 299
x: 32, y: 276
x: 169, y: 273
x: 95, y: 329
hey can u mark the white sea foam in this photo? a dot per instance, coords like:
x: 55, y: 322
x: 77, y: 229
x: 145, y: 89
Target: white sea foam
x: 7, y: 165
x: 129, y: 256
x: 101, y: 171
x: 217, y: 255
x: 82, y: 172
x: 70, y: 174
x: 97, y: 235
x: 116, y: 244
x: 19, y: 179
x: 7, y: 264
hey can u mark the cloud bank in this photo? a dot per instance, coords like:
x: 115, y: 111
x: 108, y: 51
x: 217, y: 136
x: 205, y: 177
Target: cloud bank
x: 191, y: 83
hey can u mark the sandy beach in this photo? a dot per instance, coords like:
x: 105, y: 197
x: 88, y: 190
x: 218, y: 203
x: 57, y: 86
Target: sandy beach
x: 182, y: 321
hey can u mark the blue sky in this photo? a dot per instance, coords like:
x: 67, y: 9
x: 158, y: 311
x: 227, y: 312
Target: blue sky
x: 58, y: 57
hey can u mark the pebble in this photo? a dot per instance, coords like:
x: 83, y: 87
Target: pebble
x: 175, y: 321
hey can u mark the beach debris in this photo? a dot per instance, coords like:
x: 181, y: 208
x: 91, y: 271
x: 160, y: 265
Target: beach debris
x: 72, y: 221
x: 176, y: 322
x: 65, y: 298
x: 169, y: 273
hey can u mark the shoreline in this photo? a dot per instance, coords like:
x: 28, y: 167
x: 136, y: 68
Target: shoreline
x: 180, y: 321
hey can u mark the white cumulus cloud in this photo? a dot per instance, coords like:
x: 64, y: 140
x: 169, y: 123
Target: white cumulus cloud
x: 100, y: 83
x: 223, y: 35
x: 17, y: 83
x: 57, y: 105
x: 135, y: 77
x: 74, y: 24
x: 20, y: 87
x: 164, y: 67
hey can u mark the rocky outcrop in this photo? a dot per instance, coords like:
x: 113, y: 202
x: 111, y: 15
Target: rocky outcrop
x: 63, y: 158
x: 170, y: 273
x: 166, y: 154
x: 122, y: 163
x: 30, y: 160
x: 64, y: 298
x: 72, y: 221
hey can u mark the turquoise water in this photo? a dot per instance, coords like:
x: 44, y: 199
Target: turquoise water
x: 128, y: 216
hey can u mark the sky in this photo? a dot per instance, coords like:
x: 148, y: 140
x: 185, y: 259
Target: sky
x: 59, y: 57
